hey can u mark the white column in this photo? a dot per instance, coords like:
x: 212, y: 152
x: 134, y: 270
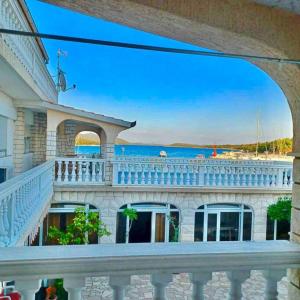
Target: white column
x: 272, y: 277
x: 236, y: 279
x: 199, y: 280
x: 74, y: 285
x: 160, y: 282
x: 118, y: 283
x: 27, y: 288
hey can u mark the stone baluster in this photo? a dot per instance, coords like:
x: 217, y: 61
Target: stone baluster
x: 118, y: 283
x: 194, y: 179
x: 143, y: 175
x: 188, y: 176
x: 74, y: 285
x: 122, y: 176
x: 180, y: 169
x: 93, y: 166
x: 6, y: 215
x: 155, y: 175
x: 214, y: 178
x: 273, y: 177
x: 168, y: 178
x: 199, y: 280
x: 202, y: 177
x: 255, y: 177
x: 236, y: 279
x: 226, y: 177
x: 12, y: 215
x: 129, y: 178
x: 28, y: 287
x: 272, y: 277
x: 73, y: 171
x: 238, y: 177
x: 58, y: 179
x: 284, y: 181
x: 3, y: 232
x: 160, y: 282
x: 136, y: 175
x: 244, y: 177
x: 80, y: 175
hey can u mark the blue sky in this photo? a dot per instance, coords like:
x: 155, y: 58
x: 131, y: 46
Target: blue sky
x: 173, y: 97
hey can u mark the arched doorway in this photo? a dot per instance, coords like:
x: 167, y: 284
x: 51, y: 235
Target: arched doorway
x: 155, y: 223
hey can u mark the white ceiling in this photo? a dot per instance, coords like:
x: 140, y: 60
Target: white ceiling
x: 290, y: 5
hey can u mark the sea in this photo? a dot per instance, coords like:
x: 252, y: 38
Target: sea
x: 151, y: 151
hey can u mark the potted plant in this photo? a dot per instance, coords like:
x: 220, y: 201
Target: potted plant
x: 51, y: 293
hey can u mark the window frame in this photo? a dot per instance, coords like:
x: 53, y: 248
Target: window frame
x: 216, y: 208
x: 154, y: 208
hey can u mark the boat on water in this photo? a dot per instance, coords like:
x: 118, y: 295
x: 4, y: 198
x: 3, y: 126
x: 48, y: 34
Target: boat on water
x: 163, y: 153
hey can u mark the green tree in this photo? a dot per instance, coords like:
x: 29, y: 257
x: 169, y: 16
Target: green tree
x: 77, y: 233
x: 132, y: 215
x: 281, y: 210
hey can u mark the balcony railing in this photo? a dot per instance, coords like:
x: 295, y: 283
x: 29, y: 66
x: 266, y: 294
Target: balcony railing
x: 119, y: 262
x: 168, y: 172
x: 79, y: 171
x: 23, y: 201
x: 24, y: 50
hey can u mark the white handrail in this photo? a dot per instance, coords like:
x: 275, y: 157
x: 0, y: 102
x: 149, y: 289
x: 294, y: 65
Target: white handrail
x: 177, y: 172
x: 22, y: 201
x: 79, y: 170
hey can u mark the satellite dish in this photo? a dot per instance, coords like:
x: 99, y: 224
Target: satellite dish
x: 62, y: 81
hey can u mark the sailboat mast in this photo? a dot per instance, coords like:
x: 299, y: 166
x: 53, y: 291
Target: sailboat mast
x: 257, y: 134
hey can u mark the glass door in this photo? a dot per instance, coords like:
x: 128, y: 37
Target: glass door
x: 229, y: 226
x: 160, y: 227
x: 212, y: 227
x: 140, y: 231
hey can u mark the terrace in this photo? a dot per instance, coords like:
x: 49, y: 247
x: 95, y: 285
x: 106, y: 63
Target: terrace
x: 26, y: 199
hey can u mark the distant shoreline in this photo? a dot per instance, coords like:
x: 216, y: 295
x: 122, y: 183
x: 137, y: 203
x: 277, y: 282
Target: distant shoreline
x: 169, y: 146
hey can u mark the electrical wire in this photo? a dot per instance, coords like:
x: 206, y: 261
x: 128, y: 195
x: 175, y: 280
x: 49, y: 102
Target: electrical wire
x: 147, y: 47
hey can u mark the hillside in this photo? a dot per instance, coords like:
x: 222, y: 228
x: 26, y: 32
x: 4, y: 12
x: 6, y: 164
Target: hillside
x: 89, y: 139
x: 279, y: 146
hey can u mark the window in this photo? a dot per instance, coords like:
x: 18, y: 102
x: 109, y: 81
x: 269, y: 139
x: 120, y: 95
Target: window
x: 223, y: 222
x: 3, y: 136
x: 278, y: 230
x: 61, y: 215
x: 2, y: 175
x: 156, y: 223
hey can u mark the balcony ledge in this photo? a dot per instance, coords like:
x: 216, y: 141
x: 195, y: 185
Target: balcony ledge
x: 128, y: 259
x: 83, y: 187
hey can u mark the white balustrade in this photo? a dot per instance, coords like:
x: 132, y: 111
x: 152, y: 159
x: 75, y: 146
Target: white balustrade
x: 221, y: 173
x: 119, y: 262
x: 24, y: 50
x: 22, y: 201
x: 79, y: 170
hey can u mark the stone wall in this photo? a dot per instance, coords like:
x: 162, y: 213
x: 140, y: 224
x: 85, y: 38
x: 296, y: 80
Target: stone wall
x: 19, y: 146
x: 39, y: 132
x: 187, y: 202
x: 66, y: 134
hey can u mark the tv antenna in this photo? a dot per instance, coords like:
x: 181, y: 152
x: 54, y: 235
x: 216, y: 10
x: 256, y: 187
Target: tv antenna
x: 61, y: 84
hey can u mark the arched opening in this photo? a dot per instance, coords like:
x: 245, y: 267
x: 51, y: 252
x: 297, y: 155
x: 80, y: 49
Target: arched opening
x: 155, y: 223
x: 61, y: 215
x: 69, y: 133
x: 223, y: 222
x: 87, y: 144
